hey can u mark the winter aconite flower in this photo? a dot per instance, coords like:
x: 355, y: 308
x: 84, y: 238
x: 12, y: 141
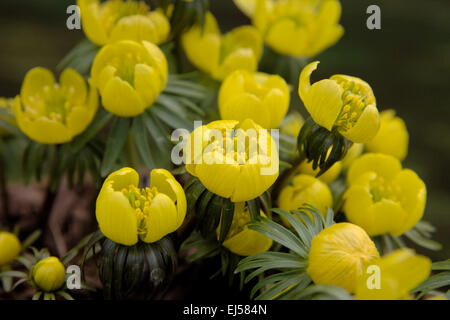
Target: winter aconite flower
x: 399, y: 272
x: 236, y: 160
x: 240, y: 239
x: 382, y: 197
x: 53, y: 113
x: 258, y: 96
x: 126, y: 213
x: 342, y: 103
x: 218, y: 55
x: 48, y: 274
x: 9, y: 247
x: 392, y: 138
x: 298, y: 28
x: 340, y: 255
x: 113, y: 20
x: 129, y: 75
x: 306, y: 189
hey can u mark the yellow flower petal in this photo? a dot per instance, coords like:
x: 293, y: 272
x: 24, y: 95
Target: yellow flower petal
x: 413, y: 198
x: 366, y: 127
x: 392, y: 138
x: 10, y: 247
x: 348, y: 249
x: 162, y: 218
x: 400, y: 272
x: 115, y: 216
x: 167, y: 184
x: 120, y: 98
x: 386, y: 166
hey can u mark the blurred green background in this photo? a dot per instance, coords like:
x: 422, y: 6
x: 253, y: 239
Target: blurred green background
x: 407, y: 63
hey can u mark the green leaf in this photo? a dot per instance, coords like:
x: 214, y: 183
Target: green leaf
x: 253, y: 208
x: 140, y: 136
x: 439, y: 280
x: 211, y: 219
x: 302, y: 231
x: 115, y: 144
x: 65, y: 295
x: 277, y: 288
x: 441, y: 265
x: 417, y: 238
x: 279, y: 234
x: 173, y: 120
x: 274, y: 278
x: 193, y: 193
x: 101, y: 119
x: 227, y: 220
x: 31, y: 239
x: 5, y: 125
x: 328, y: 292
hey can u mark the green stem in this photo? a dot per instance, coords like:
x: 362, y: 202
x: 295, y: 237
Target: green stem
x: 286, y: 176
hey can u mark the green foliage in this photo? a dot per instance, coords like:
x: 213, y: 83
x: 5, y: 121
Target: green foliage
x: 282, y: 275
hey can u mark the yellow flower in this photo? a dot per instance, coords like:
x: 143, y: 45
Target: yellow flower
x: 329, y: 175
x: 306, y: 189
x: 340, y: 254
x: 6, y: 113
x: 240, y: 239
x: 382, y: 197
x: 292, y: 124
x: 129, y: 75
x: 353, y: 153
x: 399, y: 272
x: 342, y: 102
x: 9, y: 247
x: 54, y: 113
x: 258, y: 96
x: 113, y: 20
x: 392, y: 138
x: 233, y: 160
x: 219, y: 55
x: 298, y: 28
x: 48, y: 274
x: 126, y: 213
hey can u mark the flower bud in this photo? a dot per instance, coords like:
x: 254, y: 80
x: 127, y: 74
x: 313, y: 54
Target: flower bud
x: 48, y: 274
x: 9, y: 247
x: 340, y: 254
x: 306, y: 189
x: 258, y: 96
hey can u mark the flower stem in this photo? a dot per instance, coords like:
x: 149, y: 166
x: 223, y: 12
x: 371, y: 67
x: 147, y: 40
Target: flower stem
x: 286, y: 176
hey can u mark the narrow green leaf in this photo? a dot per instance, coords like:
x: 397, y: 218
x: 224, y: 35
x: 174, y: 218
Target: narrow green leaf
x: 140, y: 135
x: 226, y: 220
x: 115, y: 144
x: 100, y: 120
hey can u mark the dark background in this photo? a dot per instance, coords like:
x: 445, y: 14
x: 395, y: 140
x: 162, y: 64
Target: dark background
x: 407, y: 63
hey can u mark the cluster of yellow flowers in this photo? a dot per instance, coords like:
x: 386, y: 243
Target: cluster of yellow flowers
x: 130, y: 71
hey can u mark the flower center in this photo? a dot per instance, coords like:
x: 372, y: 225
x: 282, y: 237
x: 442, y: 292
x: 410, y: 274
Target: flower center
x: 382, y: 189
x: 113, y: 11
x: 50, y: 102
x: 125, y: 66
x: 355, y: 98
x: 140, y: 200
